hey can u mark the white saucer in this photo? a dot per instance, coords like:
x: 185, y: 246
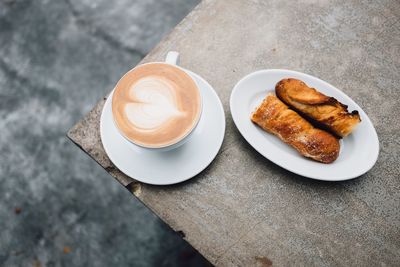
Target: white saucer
x: 176, y: 165
x: 359, y: 151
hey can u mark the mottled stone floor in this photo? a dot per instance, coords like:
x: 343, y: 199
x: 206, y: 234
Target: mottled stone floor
x: 58, y: 208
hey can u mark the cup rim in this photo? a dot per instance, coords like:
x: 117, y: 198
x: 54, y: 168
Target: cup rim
x: 183, y: 136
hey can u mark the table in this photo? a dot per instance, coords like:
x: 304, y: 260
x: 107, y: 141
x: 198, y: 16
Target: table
x: 244, y: 210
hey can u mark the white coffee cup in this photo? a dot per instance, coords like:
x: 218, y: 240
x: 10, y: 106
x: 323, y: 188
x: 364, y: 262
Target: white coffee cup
x: 172, y: 59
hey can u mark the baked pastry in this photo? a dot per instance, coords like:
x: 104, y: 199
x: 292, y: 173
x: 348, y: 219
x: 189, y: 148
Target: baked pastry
x: 275, y: 117
x: 326, y: 112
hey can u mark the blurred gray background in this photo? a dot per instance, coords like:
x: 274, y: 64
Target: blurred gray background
x: 57, y: 206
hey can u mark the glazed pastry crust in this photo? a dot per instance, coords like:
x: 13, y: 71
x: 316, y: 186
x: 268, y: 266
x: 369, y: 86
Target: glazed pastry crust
x: 276, y: 118
x: 326, y: 112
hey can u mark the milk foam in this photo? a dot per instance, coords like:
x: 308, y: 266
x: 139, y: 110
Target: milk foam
x: 154, y: 103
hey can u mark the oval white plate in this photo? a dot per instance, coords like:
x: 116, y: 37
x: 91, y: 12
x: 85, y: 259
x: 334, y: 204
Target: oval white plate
x: 359, y: 151
x: 176, y: 165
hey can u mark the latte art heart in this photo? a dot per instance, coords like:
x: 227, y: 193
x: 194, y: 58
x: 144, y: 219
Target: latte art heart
x: 154, y: 103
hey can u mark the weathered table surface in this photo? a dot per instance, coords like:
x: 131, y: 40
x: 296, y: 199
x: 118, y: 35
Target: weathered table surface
x: 243, y: 209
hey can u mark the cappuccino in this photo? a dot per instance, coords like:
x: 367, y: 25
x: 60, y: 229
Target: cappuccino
x: 156, y: 105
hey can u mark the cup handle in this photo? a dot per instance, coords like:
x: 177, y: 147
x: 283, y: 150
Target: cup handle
x: 172, y: 58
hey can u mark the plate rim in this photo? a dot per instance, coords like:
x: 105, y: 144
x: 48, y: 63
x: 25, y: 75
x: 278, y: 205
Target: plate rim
x: 177, y: 181
x: 287, y: 167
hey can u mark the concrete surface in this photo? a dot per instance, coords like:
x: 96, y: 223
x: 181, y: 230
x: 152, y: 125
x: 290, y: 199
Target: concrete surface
x: 243, y: 210
x: 59, y: 208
